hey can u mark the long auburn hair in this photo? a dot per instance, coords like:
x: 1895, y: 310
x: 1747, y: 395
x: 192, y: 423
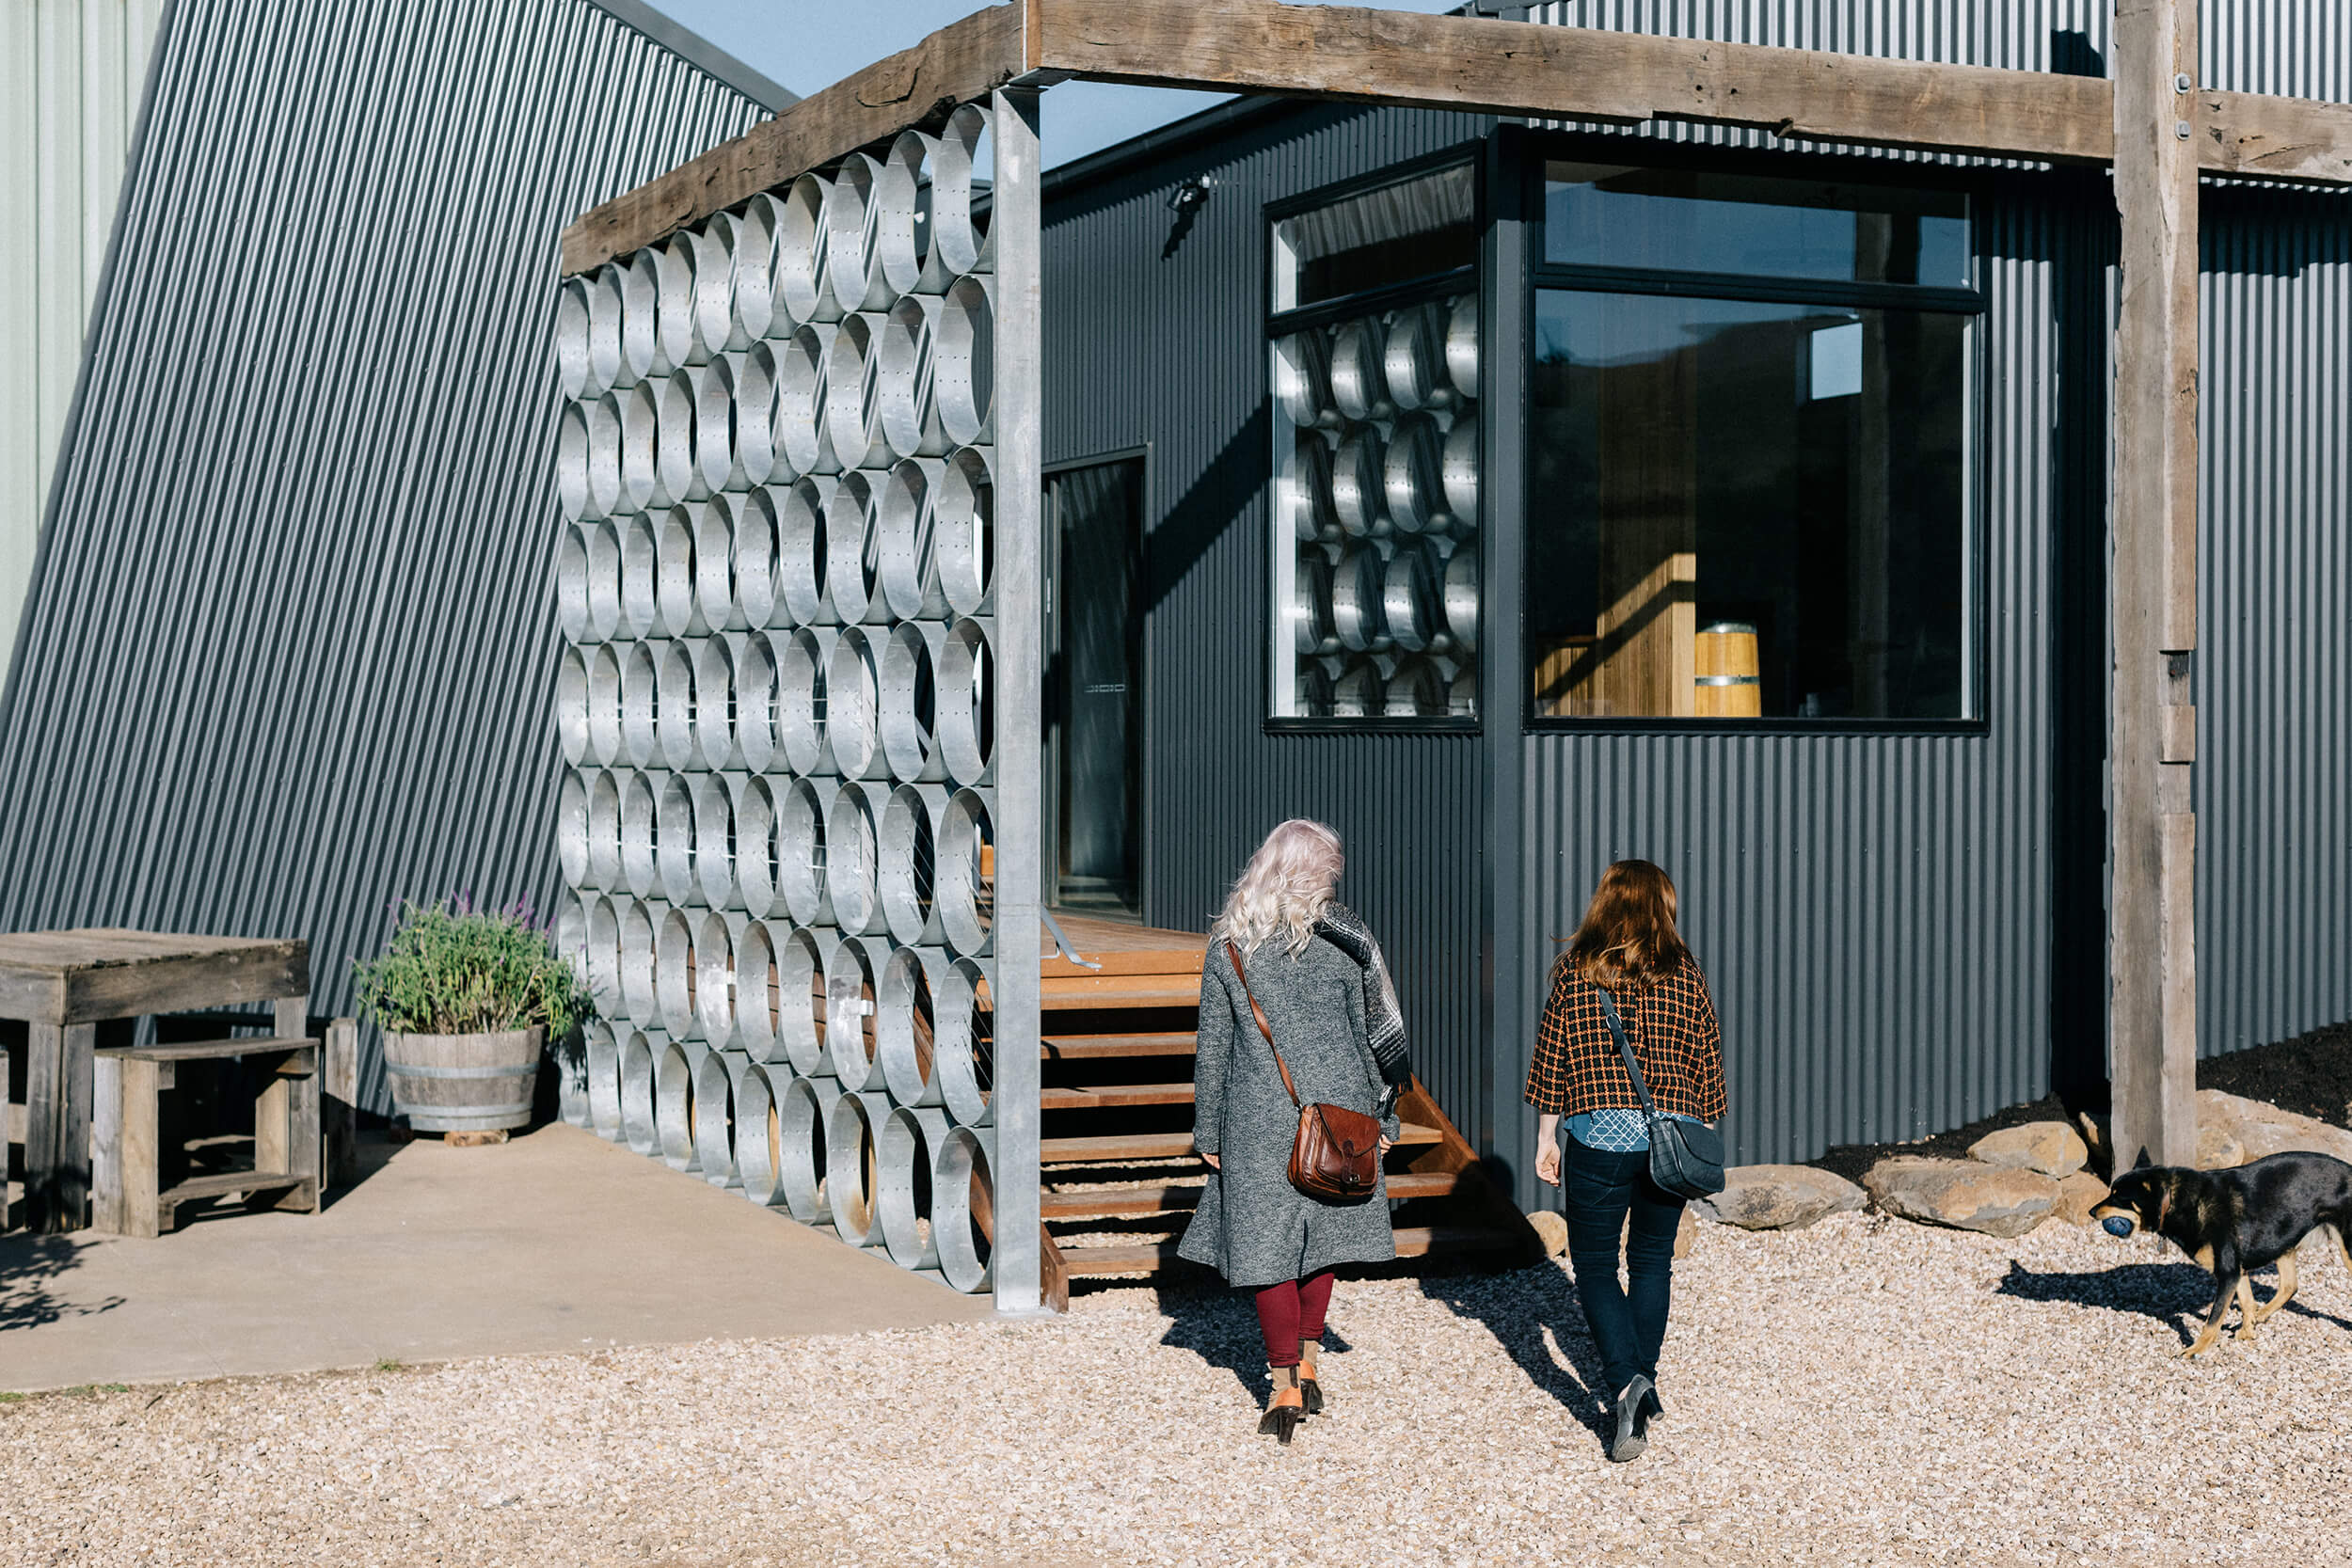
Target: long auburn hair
x: 1628, y: 938
x: 1285, y: 889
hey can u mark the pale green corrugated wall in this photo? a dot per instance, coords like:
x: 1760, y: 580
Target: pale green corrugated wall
x: 72, y: 72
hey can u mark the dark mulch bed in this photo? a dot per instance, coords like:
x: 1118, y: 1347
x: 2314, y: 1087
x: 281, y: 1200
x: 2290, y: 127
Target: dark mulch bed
x: 2311, y: 1075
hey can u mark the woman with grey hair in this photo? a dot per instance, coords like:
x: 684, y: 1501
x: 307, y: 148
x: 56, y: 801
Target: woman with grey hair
x: 1316, y: 974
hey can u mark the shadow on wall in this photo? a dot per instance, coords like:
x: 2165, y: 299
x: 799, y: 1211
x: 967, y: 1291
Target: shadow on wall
x: 30, y: 1268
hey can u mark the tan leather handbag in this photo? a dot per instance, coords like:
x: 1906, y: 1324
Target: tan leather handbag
x: 1336, y: 1156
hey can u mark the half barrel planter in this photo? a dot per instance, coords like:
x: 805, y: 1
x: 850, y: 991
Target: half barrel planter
x: 462, y: 1083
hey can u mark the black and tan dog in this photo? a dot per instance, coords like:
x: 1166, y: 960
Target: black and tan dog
x: 2232, y: 1222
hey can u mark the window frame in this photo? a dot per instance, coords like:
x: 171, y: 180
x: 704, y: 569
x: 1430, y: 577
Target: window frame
x: 1543, y: 149
x: 1456, y: 280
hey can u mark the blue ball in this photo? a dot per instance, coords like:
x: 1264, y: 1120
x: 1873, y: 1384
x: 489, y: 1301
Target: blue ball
x: 2116, y: 1225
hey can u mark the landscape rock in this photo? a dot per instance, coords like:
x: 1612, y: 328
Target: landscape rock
x: 2050, y: 1147
x: 2217, y: 1147
x: 1965, y: 1194
x: 2078, y: 1195
x: 1779, y: 1197
x: 1550, y: 1229
x: 2263, y: 1129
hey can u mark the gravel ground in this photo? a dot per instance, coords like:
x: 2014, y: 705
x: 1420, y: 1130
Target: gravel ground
x: 1863, y: 1392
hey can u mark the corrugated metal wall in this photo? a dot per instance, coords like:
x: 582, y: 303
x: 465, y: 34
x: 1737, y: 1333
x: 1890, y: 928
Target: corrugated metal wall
x: 1874, y: 912
x: 293, y: 634
x: 72, y: 75
x: 2274, y: 908
x: 1905, y: 932
x: 1173, y: 353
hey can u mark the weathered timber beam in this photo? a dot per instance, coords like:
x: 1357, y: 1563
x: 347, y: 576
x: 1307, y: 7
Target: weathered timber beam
x: 1522, y: 69
x: 962, y: 61
x: 1474, y: 64
x: 2274, y: 138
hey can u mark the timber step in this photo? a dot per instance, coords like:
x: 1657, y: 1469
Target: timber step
x: 1413, y: 1241
x: 1165, y: 1146
x: 1082, y: 1048
x: 1115, y: 1096
x: 1121, y: 990
x: 226, y: 1181
x: 1167, y: 1198
x: 1129, y: 1179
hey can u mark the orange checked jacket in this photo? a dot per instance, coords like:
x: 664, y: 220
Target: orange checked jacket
x: 1671, y: 1026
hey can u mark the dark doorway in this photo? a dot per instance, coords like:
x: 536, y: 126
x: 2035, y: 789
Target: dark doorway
x: 1093, y: 685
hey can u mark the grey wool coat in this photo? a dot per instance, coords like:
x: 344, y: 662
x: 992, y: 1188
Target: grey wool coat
x: 1253, y: 1227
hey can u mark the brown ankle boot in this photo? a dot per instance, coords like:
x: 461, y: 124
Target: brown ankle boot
x: 1309, y: 1381
x: 1285, y: 1410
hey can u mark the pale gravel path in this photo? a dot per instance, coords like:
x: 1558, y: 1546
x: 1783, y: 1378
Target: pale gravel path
x: 1863, y: 1392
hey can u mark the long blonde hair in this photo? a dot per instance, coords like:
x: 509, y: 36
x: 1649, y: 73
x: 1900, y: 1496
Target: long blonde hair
x: 1285, y: 889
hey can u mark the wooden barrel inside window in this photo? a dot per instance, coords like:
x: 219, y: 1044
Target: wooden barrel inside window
x: 1730, y: 684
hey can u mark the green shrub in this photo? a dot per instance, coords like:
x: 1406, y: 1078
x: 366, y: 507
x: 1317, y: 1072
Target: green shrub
x: 451, y: 969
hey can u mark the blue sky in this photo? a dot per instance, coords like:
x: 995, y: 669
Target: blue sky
x: 808, y: 44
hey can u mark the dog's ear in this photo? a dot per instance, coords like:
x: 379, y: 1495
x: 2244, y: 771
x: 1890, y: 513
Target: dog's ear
x: 2143, y: 1163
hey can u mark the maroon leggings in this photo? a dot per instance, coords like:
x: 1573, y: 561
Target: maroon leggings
x: 1290, y: 1312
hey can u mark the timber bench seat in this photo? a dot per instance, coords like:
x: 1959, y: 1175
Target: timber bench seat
x: 84, y: 989
x: 127, y: 1153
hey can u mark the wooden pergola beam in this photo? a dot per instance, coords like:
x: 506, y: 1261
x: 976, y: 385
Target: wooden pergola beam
x: 1476, y: 64
x: 963, y: 61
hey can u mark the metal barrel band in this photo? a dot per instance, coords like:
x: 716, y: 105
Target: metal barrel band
x: 530, y: 1071
x: 1727, y: 680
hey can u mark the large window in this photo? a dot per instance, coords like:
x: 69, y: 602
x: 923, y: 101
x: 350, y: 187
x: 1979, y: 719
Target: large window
x: 1749, y: 476
x: 1374, y: 363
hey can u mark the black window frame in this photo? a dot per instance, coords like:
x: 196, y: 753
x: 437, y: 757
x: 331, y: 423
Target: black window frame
x: 1442, y: 285
x: 1542, y: 148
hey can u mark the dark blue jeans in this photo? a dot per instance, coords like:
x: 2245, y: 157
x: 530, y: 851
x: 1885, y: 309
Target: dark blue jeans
x: 1629, y: 1322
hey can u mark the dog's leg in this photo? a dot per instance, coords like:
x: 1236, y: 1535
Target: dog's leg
x: 2284, y: 1294
x: 2344, y: 1247
x: 2212, y: 1331
x: 2246, y: 1316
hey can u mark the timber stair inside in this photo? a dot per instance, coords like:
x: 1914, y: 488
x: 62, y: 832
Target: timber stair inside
x: 1120, y: 1175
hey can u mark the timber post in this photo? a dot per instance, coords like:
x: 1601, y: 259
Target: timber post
x: 2151, y: 594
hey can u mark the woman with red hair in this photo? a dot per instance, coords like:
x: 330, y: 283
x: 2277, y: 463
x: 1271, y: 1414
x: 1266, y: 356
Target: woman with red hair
x: 1628, y: 957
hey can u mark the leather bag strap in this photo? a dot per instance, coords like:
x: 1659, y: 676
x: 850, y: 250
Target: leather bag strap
x: 1632, y: 1067
x: 1263, y: 1027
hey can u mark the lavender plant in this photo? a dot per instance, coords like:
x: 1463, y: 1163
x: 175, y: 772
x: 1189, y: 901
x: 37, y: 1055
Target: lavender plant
x: 451, y: 969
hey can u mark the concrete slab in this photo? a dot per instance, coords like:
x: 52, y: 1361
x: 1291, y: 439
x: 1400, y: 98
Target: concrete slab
x: 556, y: 1241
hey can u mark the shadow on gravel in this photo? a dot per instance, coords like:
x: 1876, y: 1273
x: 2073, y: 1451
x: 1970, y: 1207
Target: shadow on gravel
x: 1527, y: 1310
x: 1221, y: 1326
x: 2174, y: 1294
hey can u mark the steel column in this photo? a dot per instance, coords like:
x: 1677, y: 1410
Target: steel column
x: 1016, y: 226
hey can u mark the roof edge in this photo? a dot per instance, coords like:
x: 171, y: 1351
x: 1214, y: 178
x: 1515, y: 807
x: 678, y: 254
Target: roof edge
x: 700, y: 52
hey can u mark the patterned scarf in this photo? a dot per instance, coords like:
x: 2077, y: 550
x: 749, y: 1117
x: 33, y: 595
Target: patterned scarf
x: 1351, y: 936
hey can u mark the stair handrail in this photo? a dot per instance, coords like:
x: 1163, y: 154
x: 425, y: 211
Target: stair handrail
x: 1061, y: 940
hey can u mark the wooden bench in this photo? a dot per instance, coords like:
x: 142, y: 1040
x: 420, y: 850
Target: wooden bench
x: 126, y: 1153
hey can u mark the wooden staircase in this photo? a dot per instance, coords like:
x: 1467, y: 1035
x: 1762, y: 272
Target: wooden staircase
x: 1120, y: 1175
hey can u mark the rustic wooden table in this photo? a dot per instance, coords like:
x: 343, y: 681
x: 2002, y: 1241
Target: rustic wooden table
x: 68, y: 985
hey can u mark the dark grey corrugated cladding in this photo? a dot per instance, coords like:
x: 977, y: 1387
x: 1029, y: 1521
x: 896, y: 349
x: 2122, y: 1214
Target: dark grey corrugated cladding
x: 1173, y: 353
x: 289, y: 651
x: 1905, y: 932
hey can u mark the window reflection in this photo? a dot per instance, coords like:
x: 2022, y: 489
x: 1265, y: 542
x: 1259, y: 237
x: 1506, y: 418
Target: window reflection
x: 1693, y: 220
x: 1746, y: 509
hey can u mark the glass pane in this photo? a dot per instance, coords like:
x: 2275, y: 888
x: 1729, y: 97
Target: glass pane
x: 1690, y: 220
x: 1746, y: 510
x: 1375, y: 515
x: 1096, y: 732
x: 1414, y: 228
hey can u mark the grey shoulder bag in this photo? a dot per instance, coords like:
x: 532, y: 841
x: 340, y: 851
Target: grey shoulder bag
x: 1685, y: 1157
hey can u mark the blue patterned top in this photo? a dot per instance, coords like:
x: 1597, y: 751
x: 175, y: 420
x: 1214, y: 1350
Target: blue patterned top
x: 1617, y: 1128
